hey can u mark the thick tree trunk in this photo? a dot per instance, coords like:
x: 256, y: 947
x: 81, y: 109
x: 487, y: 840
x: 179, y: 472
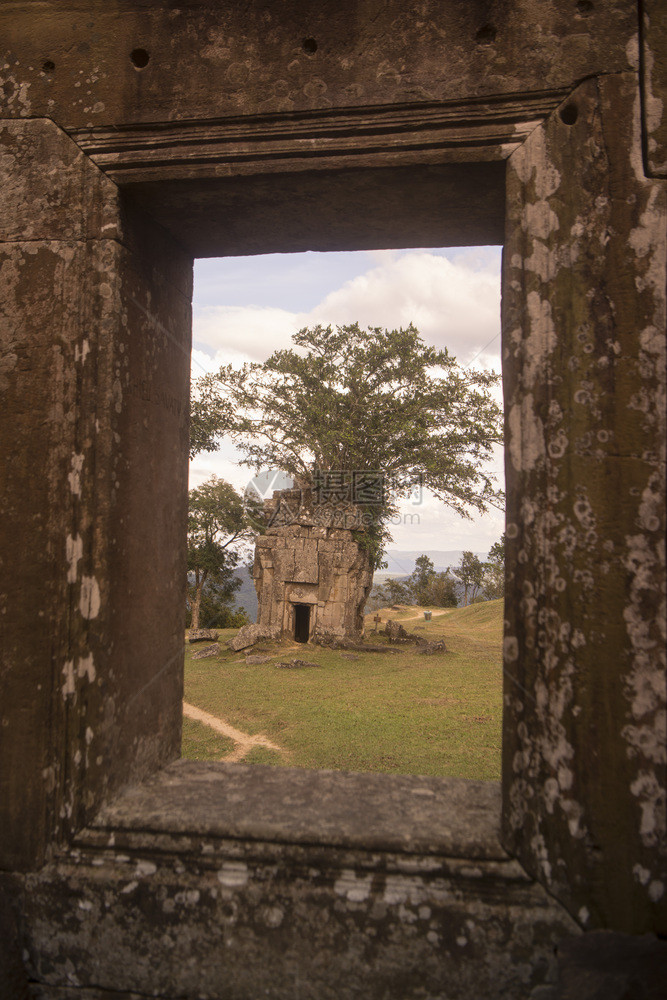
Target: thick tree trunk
x: 196, y: 603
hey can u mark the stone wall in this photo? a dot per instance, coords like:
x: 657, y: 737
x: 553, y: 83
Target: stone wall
x: 584, y: 373
x: 136, y: 134
x: 94, y: 427
x: 310, y: 555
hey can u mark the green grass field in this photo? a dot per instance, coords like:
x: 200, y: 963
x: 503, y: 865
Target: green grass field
x: 200, y: 742
x: 403, y: 713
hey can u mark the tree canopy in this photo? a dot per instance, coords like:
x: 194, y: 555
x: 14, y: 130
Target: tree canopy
x: 470, y: 572
x: 494, y: 571
x: 421, y: 578
x: 348, y: 400
x: 424, y: 587
x: 217, y: 519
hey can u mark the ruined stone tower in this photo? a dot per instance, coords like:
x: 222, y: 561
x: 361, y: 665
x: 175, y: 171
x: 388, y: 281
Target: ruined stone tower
x: 311, y: 574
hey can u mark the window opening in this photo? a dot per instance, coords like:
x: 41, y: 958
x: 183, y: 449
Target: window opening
x: 437, y: 714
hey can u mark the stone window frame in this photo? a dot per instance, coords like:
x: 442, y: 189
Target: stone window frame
x: 161, y: 168
x: 440, y: 144
x: 449, y: 141
x: 390, y: 146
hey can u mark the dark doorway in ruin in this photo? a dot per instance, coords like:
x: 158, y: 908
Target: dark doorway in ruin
x: 301, y: 622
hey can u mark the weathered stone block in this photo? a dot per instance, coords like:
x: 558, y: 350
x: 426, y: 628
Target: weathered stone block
x: 202, y: 635
x: 250, y: 634
x: 209, y: 880
x: 95, y: 395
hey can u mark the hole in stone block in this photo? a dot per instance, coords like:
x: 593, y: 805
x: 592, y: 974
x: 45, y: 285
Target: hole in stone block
x: 48, y: 66
x: 569, y: 114
x: 139, y: 57
x: 585, y: 7
x: 309, y: 45
x: 486, y: 35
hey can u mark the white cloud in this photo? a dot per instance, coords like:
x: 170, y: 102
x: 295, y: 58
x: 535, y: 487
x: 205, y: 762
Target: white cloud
x: 233, y: 334
x: 452, y: 304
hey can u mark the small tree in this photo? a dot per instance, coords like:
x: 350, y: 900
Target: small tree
x: 215, y: 609
x: 441, y: 592
x: 494, y: 571
x: 420, y: 580
x: 217, y: 518
x: 395, y: 591
x: 470, y: 572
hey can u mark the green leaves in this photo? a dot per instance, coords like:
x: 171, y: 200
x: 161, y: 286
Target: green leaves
x: 216, y: 514
x: 217, y: 518
x: 351, y: 399
x: 494, y: 571
x: 470, y: 572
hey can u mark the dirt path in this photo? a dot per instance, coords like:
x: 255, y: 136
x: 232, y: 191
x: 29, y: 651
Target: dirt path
x: 244, y: 742
x: 420, y: 614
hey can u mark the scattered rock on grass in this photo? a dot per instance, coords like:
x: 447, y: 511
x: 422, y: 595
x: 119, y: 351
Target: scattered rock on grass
x: 296, y: 664
x: 252, y: 660
x: 250, y: 634
x: 201, y: 654
x: 349, y: 656
x: 429, y: 648
x: 395, y: 630
x: 202, y: 635
x: 396, y: 633
x: 362, y: 647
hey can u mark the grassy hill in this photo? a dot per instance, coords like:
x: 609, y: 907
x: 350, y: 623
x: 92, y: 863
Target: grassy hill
x: 399, y: 712
x: 483, y: 618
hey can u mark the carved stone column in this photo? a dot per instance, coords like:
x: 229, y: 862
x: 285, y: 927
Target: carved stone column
x: 94, y: 426
x: 584, y: 657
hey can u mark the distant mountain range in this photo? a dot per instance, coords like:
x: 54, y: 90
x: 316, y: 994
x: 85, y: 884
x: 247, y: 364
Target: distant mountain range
x: 246, y: 596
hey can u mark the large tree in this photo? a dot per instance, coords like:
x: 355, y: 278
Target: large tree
x: 218, y: 520
x: 347, y: 400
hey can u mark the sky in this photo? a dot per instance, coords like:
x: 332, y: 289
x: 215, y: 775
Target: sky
x: 247, y: 307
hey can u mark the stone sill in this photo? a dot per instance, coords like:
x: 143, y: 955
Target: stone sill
x: 213, y: 879
x: 450, y: 817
